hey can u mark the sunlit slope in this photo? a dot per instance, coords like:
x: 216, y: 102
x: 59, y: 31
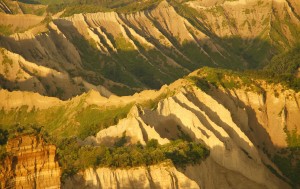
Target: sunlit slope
x: 127, y: 51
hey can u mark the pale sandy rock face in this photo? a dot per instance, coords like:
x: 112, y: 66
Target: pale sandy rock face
x: 223, y: 178
x: 207, y: 120
x: 156, y: 176
x: 132, y: 127
x: 20, y: 74
x: 296, y: 6
x: 272, y: 111
x: 171, y: 22
x: 243, y: 18
x: 225, y: 123
x: 234, y: 161
x: 33, y: 164
x: 17, y: 99
x: 20, y: 21
x: 247, y: 18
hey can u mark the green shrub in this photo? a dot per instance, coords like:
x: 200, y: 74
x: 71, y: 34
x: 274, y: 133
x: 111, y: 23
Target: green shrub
x: 3, y: 136
x: 285, y: 63
x: 73, y: 157
x: 122, y: 141
x: 201, y: 83
x: 6, y: 29
x: 293, y: 139
x: 290, y: 167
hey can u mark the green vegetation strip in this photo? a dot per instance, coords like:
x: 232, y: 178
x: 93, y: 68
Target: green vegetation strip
x: 62, y: 121
x: 250, y: 80
x: 72, y: 7
x: 288, y: 159
x: 74, y: 157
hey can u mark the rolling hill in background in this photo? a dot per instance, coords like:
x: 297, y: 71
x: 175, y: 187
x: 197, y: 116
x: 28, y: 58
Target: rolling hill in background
x: 137, y: 45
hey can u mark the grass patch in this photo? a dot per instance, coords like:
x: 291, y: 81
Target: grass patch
x: 93, y: 119
x: 71, y: 10
x: 248, y: 79
x: 64, y: 121
x: 6, y: 30
x: 153, y: 103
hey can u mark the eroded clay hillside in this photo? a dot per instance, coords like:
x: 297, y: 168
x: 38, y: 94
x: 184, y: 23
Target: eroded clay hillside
x: 122, y: 52
x: 249, y: 126
x: 30, y: 163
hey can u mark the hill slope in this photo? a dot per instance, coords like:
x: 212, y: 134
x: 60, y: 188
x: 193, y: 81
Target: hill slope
x: 130, y: 48
x: 249, y: 126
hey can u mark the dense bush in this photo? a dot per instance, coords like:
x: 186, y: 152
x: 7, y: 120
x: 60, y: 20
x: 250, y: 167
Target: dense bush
x: 288, y: 80
x: 3, y: 136
x: 289, y: 164
x: 3, y: 140
x: 179, y: 152
x: 285, y: 63
x: 3, y: 153
x: 73, y: 157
